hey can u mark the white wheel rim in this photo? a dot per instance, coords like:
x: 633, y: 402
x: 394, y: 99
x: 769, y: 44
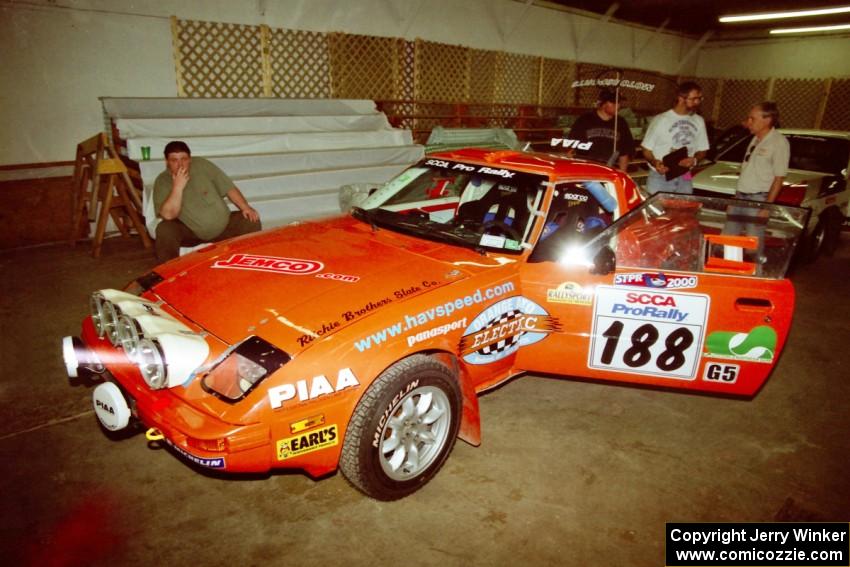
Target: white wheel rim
x: 415, y: 433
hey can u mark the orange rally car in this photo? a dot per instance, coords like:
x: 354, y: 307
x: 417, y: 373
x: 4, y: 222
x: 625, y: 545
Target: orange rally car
x: 361, y: 342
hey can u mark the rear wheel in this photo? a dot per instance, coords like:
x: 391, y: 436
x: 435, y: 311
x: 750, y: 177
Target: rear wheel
x: 403, y: 429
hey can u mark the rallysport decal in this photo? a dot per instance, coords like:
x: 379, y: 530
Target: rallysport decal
x: 504, y: 327
x: 569, y: 292
x: 648, y: 332
x: 758, y: 345
x: 292, y: 266
x: 656, y: 280
x: 307, y: 442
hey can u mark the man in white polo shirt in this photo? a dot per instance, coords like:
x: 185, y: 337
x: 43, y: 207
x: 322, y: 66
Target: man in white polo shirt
x: 764, y: 168
x: 765, y: 164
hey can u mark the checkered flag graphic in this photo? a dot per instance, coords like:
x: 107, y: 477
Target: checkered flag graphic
x: 507, y: 342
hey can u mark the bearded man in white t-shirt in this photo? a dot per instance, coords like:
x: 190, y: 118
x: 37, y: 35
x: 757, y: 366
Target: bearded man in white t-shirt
x: 679, y: 127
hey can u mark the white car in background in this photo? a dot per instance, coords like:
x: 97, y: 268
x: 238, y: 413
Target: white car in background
x: 817, y: 178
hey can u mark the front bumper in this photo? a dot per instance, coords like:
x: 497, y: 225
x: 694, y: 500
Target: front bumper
x: 199, y: 437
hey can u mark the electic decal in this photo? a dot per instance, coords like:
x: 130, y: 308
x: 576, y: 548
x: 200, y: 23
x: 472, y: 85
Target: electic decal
x: 307, y: 442
x: 757, y: 345
x: 292, y: 266
x: 569, y: 292
x: 656, y: 280
x: 504, y: 327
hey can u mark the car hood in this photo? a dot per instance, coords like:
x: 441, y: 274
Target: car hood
x: 295, y: 284
x: 722, y: 177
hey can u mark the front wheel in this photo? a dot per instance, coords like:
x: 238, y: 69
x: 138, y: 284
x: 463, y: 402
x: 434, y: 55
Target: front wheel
x: 403, y: 429
x: 824, y: 238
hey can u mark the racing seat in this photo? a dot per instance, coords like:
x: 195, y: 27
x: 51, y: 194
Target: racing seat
x: 511, y: 209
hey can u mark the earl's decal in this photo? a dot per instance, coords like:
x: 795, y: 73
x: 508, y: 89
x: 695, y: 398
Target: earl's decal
x: 307, y: 442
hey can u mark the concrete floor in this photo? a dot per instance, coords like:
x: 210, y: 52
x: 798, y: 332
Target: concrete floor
x: 569, y: 473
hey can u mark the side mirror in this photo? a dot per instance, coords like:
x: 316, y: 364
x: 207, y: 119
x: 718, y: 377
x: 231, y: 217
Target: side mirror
x: 605, y: 262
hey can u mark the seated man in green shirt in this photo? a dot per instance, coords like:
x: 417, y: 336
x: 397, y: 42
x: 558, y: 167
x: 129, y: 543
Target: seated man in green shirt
x: 189, y: 197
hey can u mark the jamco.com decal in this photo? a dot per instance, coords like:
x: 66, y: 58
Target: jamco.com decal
x: 758, y: 345
x: 504, y: 327
x: 292, y: 266
x: 307, y: 442
x: 648, y: 332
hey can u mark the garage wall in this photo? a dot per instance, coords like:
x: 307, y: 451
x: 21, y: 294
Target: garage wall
x: 786, y: 58
x: 59, y: 56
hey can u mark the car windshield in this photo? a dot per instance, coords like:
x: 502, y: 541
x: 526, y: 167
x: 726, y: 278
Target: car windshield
x: 701, y: 234
x: 822, y: 154
x: 475, y: 206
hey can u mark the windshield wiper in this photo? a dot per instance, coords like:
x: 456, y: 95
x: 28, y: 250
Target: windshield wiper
x: 457, y: 239
x: 364, y: 215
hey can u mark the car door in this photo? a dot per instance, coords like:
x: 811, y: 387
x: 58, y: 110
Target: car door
x: 668, y: 296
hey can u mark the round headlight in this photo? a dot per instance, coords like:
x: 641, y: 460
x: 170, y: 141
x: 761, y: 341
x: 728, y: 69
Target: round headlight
x: 96, y: 303
x: 128, y: 334
x: 151, y: 363
x: 110, y: 321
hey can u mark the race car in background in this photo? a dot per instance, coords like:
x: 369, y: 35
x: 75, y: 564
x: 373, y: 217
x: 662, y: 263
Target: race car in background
x: 361, y: 342
x: 817, y: 179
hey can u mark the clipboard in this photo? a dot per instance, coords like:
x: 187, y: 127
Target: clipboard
x: 671, y: 162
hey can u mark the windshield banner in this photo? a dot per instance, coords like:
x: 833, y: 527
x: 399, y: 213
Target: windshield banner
x: 498, y: 174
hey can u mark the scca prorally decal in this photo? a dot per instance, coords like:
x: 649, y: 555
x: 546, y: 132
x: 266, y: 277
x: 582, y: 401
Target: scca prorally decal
x: 292, y: 266
x: 307, y: 442
x: 650, y: 306
x: 504, y: 327
x: 758, y: 345
x: 656, y: 280
x: 214, y: 463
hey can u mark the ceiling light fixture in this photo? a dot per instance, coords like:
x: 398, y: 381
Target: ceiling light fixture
x: 784, y: 15
x: 812, y: 29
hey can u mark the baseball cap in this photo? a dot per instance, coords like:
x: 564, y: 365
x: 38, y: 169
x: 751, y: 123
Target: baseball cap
x: 607, y: 95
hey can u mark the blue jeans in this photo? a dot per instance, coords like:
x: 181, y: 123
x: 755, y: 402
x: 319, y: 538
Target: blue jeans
x: 657, y: 182
x: 745, y: 221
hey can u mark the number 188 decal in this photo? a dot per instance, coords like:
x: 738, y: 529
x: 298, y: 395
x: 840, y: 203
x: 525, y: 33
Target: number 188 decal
x: 651, y: 332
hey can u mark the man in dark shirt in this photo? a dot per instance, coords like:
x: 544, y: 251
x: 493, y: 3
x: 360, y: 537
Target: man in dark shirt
x: 597, y: 127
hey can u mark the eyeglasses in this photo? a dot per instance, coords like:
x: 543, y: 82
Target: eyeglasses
x: 694, y: 98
